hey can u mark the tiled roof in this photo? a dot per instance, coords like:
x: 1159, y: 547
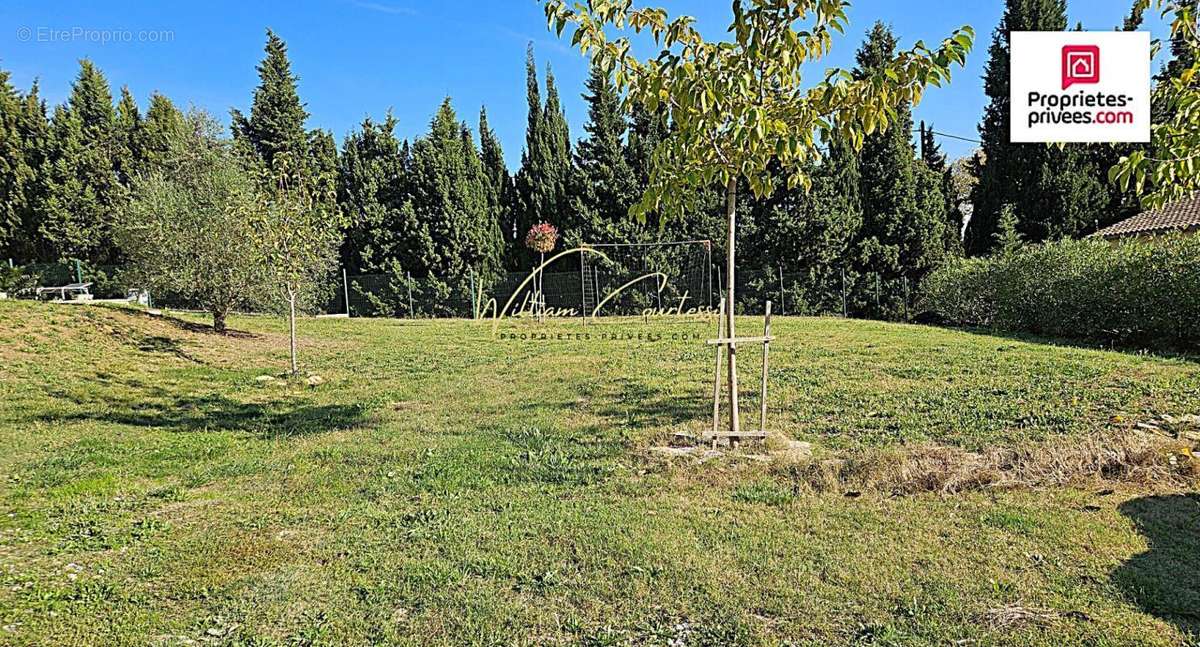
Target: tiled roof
x: 1176, y: 216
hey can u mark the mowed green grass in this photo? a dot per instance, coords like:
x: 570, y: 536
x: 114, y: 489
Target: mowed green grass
x: 444, y: 485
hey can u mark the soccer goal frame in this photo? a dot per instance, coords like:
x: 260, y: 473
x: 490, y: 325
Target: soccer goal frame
x: 592, y: 287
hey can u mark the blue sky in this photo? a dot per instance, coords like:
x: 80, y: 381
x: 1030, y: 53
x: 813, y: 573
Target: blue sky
x: 361, y: 57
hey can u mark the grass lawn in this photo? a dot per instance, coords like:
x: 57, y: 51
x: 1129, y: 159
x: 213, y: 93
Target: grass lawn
x: 444, y: 486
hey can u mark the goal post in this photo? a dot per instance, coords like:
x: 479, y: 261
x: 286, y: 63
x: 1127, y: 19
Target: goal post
x: 632, y: 278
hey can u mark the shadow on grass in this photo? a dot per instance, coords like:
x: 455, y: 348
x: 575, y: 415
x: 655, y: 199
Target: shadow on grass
x: 1129, y: 348
x: 635, y: 403
x: 1165, y: 580
x: 155, y: 407
x: 181, y: 324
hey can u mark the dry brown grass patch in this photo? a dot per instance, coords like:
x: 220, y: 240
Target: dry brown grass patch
x: 1136, y: 458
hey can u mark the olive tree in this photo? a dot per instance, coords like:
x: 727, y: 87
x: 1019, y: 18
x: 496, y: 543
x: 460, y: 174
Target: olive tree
x: 188, y: 228
x: 738, y: 107
x: 298, y: 229
x: 1168, y: 169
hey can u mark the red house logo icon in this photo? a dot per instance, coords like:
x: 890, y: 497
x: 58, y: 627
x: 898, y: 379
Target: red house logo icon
x: 1080, y: 64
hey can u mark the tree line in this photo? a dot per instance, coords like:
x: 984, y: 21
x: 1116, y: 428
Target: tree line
x: 444, y: 205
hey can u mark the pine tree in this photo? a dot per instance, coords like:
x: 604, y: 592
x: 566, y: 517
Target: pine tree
x: 1054, y: 192
x: 129, y: 133
x: 15, y: 173
x: 83, y: 194
x: 33, y: 130
x: 603, y: 185
x: 322, y: 153
x: 161, y: 126
x: 646, y: 131
x: 276, y: 122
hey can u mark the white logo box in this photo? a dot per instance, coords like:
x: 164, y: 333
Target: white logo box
x: 1118, y: 109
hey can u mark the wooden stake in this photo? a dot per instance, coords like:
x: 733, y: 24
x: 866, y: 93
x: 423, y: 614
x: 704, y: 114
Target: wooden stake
x: 762, y: 417
x: 716, y: 422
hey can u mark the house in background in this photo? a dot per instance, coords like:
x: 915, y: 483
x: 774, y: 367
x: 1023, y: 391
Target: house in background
x: 1180, y: 216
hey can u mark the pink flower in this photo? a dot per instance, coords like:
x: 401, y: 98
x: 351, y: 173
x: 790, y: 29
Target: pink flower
x: 542, y: 237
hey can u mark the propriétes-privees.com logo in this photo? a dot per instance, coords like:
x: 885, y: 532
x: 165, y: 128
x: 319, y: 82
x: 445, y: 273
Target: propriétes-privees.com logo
x: 1080, y: 87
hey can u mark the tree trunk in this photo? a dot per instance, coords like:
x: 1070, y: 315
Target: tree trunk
x: 292, y: 329
x: 731, y: 213
x: 218, y: 320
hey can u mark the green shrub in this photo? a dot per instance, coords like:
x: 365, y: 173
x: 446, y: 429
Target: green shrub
x: 1131, y: 292
x: 15, y: 281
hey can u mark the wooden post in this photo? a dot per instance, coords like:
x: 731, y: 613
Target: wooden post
x: 762, y: 416
x: 730, y: 311
x: 716, y: 422
x: 346, y: 291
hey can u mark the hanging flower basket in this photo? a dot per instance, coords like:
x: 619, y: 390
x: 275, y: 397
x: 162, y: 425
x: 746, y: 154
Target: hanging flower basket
x: 542, y: 237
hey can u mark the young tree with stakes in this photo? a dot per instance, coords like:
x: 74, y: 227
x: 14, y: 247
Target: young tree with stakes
x: 737, y: 106
x: 299, y: 231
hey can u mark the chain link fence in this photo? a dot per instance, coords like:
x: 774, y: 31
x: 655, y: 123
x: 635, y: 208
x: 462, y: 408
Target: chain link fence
x: 824, y: 290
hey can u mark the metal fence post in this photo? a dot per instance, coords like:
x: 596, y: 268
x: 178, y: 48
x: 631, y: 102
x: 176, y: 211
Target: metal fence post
x: 474, y: 301
x: 411, y: 312
x: 845, y: 309
x: 720, y: 285
x: 782, y: 299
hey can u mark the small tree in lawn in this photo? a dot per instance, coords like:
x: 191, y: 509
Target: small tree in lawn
x: 541, y: 238
x: 738, y: 106
x: 1168, y: 169
x: 299, y: 229
x: 188, y: 229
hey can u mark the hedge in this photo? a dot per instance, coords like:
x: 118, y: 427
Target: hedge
x: 1130, y: 292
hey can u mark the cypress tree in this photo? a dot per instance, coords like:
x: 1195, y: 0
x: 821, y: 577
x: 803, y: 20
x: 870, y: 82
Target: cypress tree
x: 557, y: 142
x: 936, y: 163
x: 499, y: 184
x: 454, y: 231
x: 1054, y: 192
x: 372, y: 187
x: 603, y: 185
x: 900, y: 234
x: 541, y: 183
